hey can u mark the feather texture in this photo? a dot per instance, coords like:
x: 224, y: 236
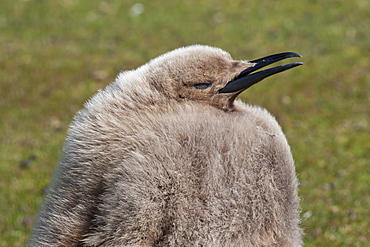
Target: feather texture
x: 142, y: 166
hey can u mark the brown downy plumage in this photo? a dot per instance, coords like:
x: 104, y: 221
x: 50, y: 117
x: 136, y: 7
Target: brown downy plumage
x: 165, y: 156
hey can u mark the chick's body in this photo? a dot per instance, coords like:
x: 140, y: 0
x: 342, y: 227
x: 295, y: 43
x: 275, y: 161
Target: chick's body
x: 147, y: 163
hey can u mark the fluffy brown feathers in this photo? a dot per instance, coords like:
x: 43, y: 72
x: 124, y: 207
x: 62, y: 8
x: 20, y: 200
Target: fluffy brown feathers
x: 162, y: 157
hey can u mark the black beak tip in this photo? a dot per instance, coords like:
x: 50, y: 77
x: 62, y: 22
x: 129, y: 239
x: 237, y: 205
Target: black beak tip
x: 297, y: 64
x: 294, y: 54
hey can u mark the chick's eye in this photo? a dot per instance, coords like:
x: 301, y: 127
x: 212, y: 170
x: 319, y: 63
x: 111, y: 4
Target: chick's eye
x: 202, y: 85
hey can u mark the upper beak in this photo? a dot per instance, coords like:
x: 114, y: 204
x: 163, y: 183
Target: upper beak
x: 245, y: 79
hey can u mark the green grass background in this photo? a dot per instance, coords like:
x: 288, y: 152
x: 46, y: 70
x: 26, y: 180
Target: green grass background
x: 54, y: 55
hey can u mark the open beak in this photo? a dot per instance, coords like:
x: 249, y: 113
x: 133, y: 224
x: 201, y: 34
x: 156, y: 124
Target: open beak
x: 245, y: 79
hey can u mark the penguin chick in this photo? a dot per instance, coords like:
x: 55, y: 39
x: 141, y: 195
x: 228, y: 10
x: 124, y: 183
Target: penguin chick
x: 165, y: 156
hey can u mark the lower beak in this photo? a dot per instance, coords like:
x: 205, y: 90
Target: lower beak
x: 245, y: 79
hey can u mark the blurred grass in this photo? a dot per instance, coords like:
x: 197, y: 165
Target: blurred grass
x: 56, y: 54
